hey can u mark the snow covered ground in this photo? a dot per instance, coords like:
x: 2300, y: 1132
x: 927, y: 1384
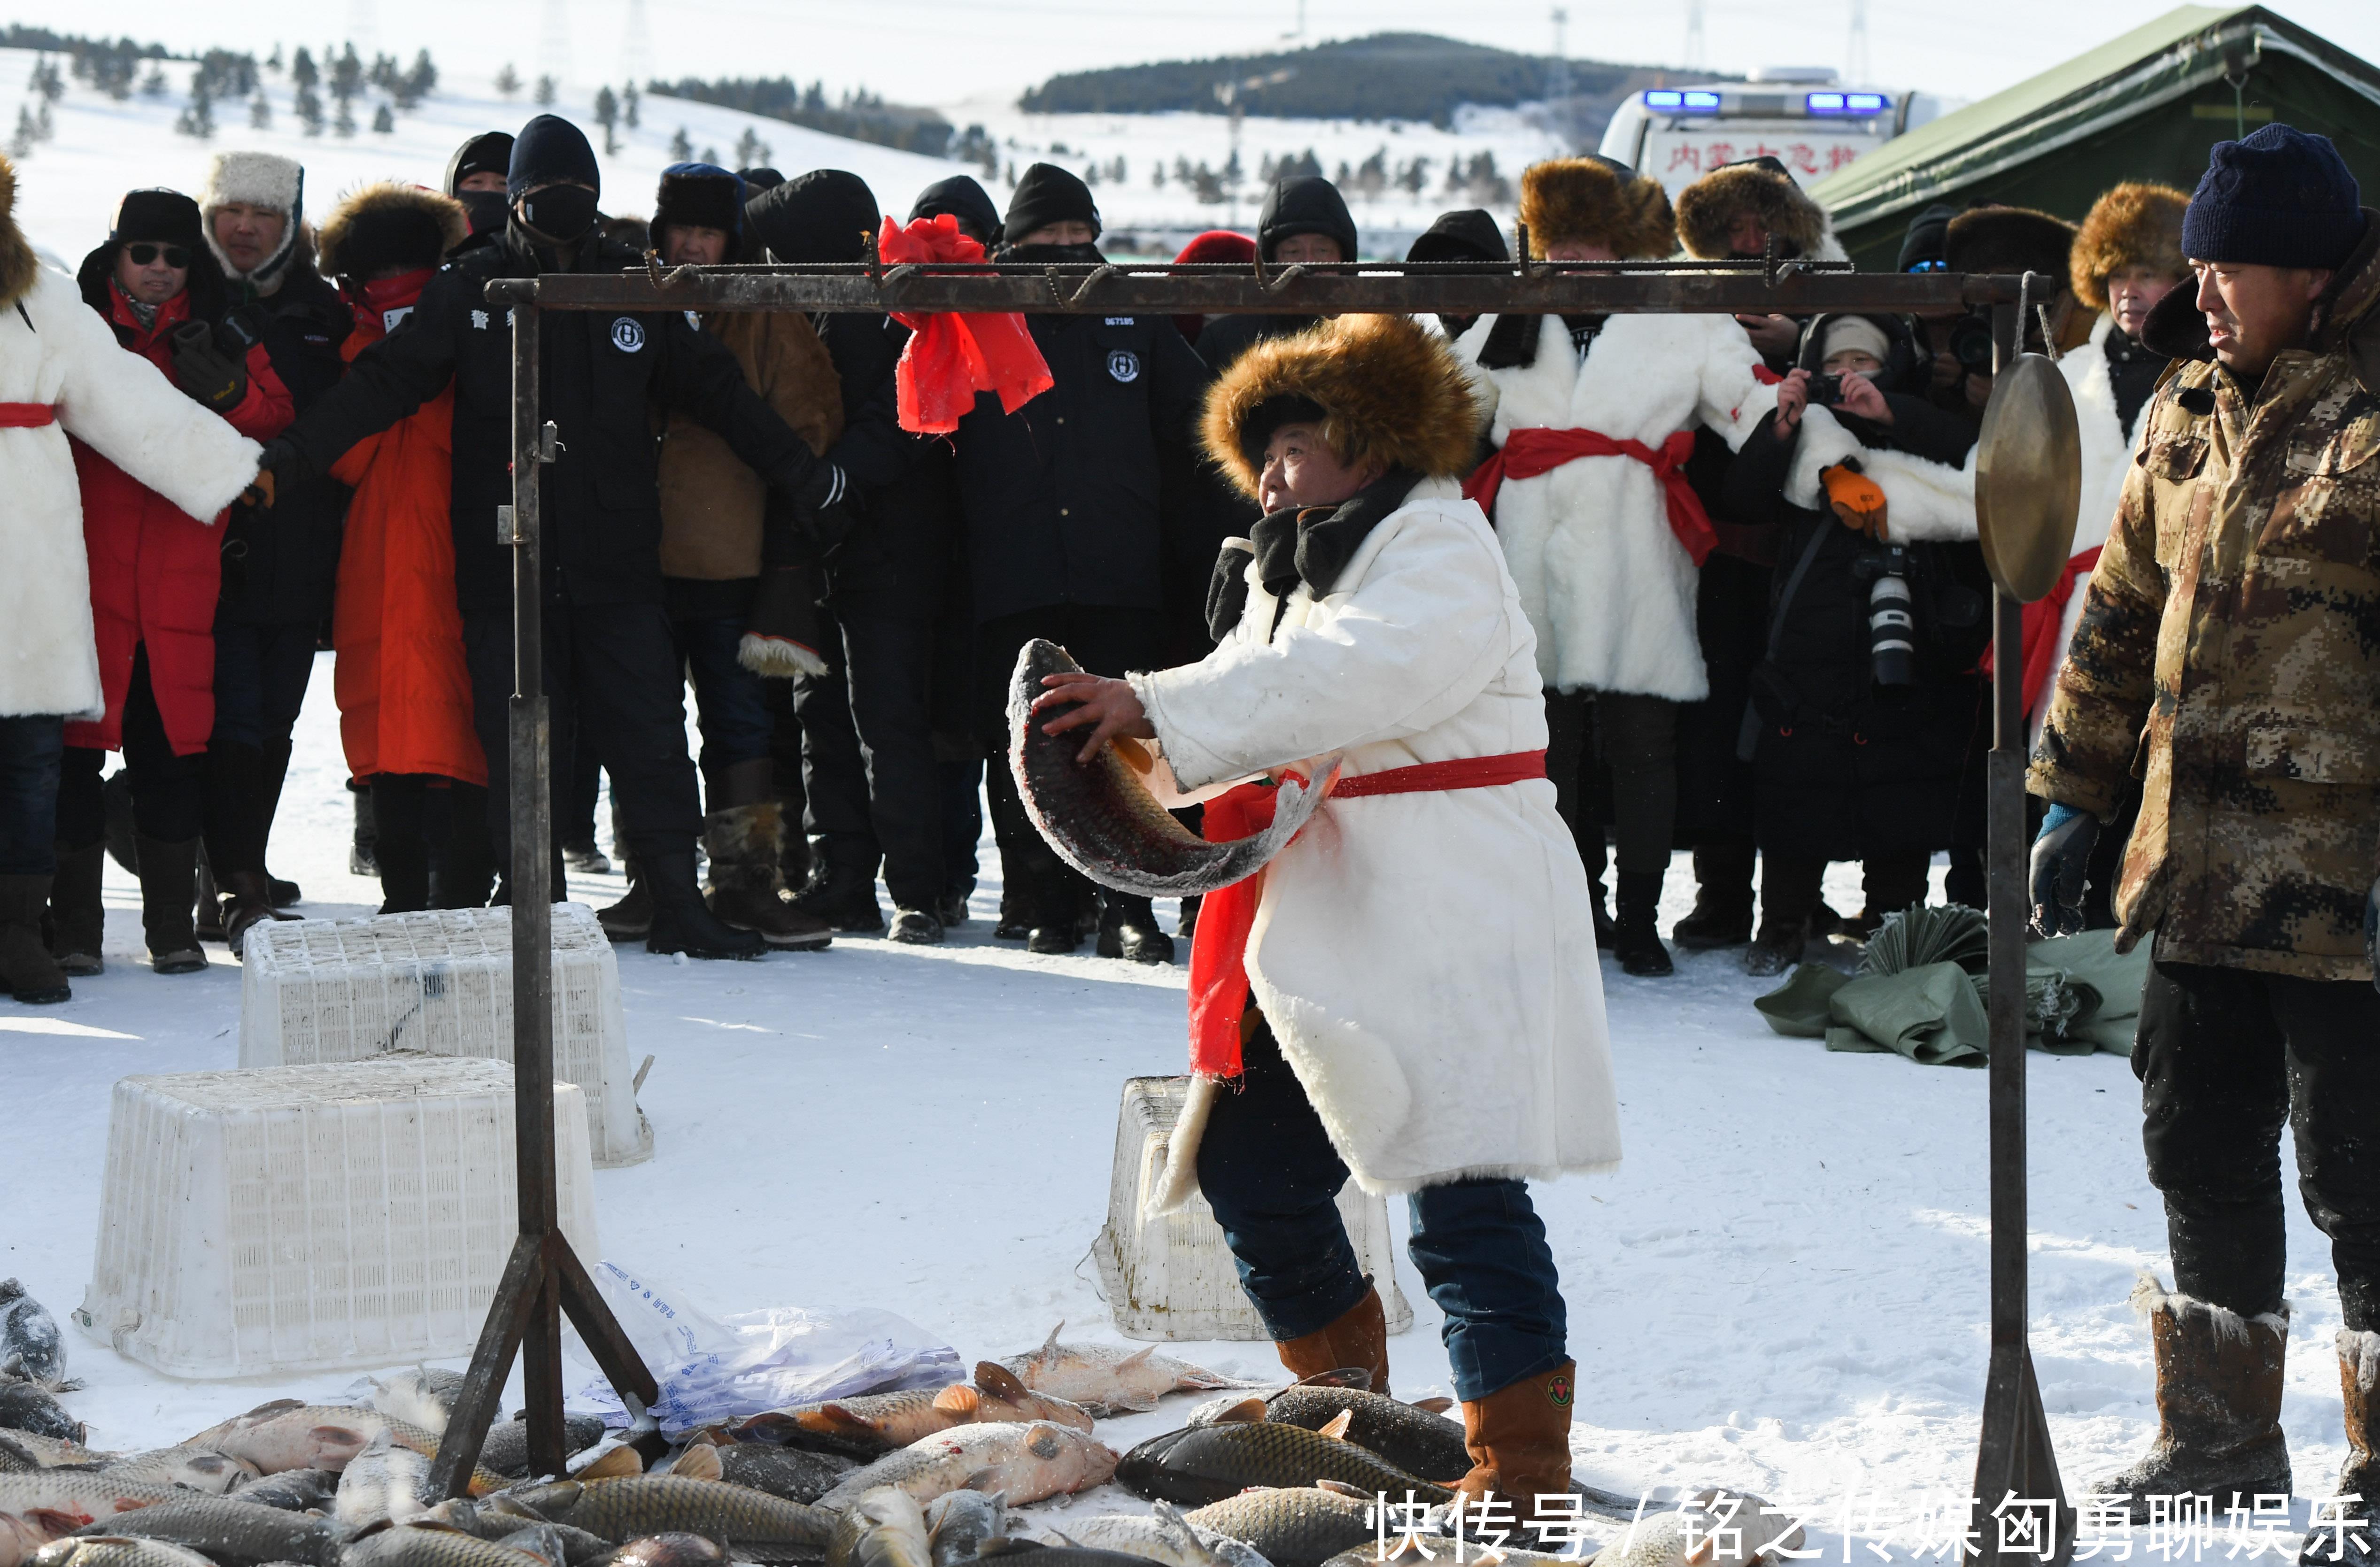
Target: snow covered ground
x: 1783, y: 1289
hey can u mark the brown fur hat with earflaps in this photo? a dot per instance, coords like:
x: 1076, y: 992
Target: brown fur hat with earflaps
x: 2134, y: 224
x: 1708, y: 208
x: 1380, y: 386
x: 18, y: 265
x: 1596, y: 202
x: 390, y: 224
x: 2007, y: 239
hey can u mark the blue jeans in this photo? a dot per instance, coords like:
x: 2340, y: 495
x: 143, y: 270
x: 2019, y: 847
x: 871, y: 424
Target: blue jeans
x: 1269, y: 1170
x: 30, y: 750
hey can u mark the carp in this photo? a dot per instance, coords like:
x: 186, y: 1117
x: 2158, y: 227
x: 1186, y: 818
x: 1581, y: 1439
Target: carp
x: 1100, y: 817
x: 27, y: 1406
x: 115, y: 1550
x: 1299, y: 1526
x: 879, y: 1423
x: 1106, y: 1379
x: 1413, y: 1437
x: 42, y: 1505
x: 1162, y: 1537
x: 291, y: 1434
x: 754, y: 1524
x: 789, y: 1472
x: 960, y: 1524
x: 293, y: 1490
x: 198, y: 1469
x: 1022, y: 1463
x: 385, y: 1482
x: 668, y: 1550
x: 1205, y: 1463
x: 231, y: 1533
x: 884, y: 1527
x: 424, y: 1544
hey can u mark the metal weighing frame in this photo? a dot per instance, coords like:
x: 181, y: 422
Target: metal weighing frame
x: 544, y: 1279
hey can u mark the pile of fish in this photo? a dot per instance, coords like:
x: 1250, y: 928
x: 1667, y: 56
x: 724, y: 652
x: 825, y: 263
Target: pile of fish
x: 923, y: 1479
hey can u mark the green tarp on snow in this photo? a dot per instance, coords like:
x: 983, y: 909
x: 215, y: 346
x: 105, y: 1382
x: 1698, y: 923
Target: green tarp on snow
x: 2081, y: 996
x: 2147, y: 105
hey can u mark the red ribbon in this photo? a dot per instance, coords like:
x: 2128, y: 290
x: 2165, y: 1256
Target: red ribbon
x: 27, y: 416
x: 1219, y: 949
x: 2041, y: 619
x: 951, y: 356
x: 1528, y: 452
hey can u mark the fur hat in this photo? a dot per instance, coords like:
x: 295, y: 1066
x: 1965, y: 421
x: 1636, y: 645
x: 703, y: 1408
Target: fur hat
x: 1710, y: 207
x: 2007, y: 239
x: 388, y: 224
x: 1382, y: 387
x: 255, y: 179
x: 18, y: 265
x: 2132, y: 225
x: 1597, y: 201
x: 699, y: 196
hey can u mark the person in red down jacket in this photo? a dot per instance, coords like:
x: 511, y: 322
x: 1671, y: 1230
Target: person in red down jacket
x: 155, y: 570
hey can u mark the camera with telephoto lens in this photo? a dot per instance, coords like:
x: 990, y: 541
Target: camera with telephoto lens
x: 1970, y: 342
x: 1891, y: 615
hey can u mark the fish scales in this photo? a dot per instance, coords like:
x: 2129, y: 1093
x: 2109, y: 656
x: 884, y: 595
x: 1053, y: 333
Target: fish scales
x: 115, y: 1550
x: 1414, y: 1440
x: 292, y: 1490
x: 758, y: 1524
x: 1108, y: 1380
x: 30, y: 1344
x: 1102, y: 820
x: 231, y: 1533
x: 1162, y: 1537
x: 668, y: 1550
x: 788, y: 1472
x: 434, y: 1544
x: 960, y: 1524
x: 883, y: 1528
x: 1295, y: 1526
x: 27, y: 1406
x: 1205, y: 1463
x: 1024, y: 1463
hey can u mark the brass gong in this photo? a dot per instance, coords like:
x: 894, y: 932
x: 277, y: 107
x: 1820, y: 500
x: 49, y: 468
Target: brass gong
x: 2028, y: 478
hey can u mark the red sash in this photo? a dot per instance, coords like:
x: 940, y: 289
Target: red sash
x: 27, y: 416
x: 1219, y: 975
x: 2041, y: 619
x: 1528, y: 452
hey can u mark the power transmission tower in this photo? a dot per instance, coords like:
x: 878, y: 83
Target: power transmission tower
x: 1558, y: 70
x: 554, y: 49
x: 1694, y: 60
x: 1855, y: 63
x: 363, y: 28
x: 635, y: 43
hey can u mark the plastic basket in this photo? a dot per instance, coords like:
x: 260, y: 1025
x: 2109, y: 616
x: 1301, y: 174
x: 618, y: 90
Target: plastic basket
x: 1171, y: 1278
x: 350, y: 990
x: 314, y: 1218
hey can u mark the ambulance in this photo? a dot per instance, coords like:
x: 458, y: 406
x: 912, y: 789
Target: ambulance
x: 1801, y: 115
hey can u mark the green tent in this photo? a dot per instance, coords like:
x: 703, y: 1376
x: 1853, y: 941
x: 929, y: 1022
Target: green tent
x: 2147, y: 105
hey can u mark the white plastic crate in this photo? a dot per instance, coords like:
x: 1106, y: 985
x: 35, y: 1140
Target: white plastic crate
x: 441, y: 982
x: 1171, y: 1278
x: 313, y: 1218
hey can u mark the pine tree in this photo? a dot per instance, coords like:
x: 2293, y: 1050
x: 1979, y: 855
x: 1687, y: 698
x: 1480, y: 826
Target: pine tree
x: 711, y: 156
x: 43, y: 125
x: 272, y: 62
x: 153, y: 84
x: 302, y: 72
x: 750, y: 150
x: 199, y: 119
x: 681, y: 149
x: 21, y: 144
x: 384, y: 120
x: 259, y: 111
x: 630, y: 102
x: 508, y: 80
x: 307, y: 105
x: 607, y: 115
x: 419, y: 82
x: 545, y: 93
x: 344, y: 123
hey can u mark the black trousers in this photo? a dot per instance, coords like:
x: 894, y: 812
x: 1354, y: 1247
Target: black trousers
x: 31, y: 749
x: 867, y: 752
x: 1636, y: 738
x: 622, y: 661
x: 2226, y: 1057
x: 169, y: 792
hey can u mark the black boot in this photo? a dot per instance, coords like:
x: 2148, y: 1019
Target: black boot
x: 630, y: 919
x: 1635, y: 935
x: 399, y: 807
x: 27, y: 970
x: 247, y: 903
x: 844, y: 894
x: 1128, y: 930
x: 78, y: 919
x: 1722, y: 913
x: 1054, y: 898
x: 168, y: 881
x: 364, y: 845
x: 208, y: 917
x: 285, y: 893
x: 1603, y: 928
x: 682, y: 921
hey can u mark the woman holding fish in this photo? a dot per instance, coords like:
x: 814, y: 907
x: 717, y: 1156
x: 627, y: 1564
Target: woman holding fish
x: 1408, y: 991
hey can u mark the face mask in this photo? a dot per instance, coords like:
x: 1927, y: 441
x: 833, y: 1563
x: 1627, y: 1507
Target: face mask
x: 560, y: 212
x: 1059, y: 254
x: 486, y: 209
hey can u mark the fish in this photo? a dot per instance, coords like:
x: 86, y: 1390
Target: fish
x: 505, y: 1451
x: 1022, y: 1463
x: 230, y: 1533
x: 668, y: 1550
x: 1205, y: 1463
x: 884, y: 1527
x: 1102, y: 820
x: 1161, y: 1536
x: 895, y: 1420
x: 1416, y: 1551
x: 291, y: 1434
x: 22, y: 1451
x: 550, y: 1543
x: 1297, y: 1527
x: 1690, y: 1535
x: 30, y: 1344
x: 198, y: 1469
x: 42, y: 1506
x: 423, y: 1396
x: 959, y: 1524
x: 1413, y: 1437
x: 383, y: 1483
x: 787, y: 1472
x: 27, y: 1406
x: 423, y: 1544
x: 292, y: 1490
x: 115, y: 1550
x: 756, y: 1524
x: 1108, y: 1379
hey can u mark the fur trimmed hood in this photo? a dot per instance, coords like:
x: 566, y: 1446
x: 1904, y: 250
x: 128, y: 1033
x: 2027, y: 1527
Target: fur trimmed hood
x: 2007, y: 239
x: 1708, y: 208
x: 2134, y: 224
x: 1595, y: 201
x: 18, y: 265
x: 255, y: 179
x: 390, y: 223
x: 1386, y: 388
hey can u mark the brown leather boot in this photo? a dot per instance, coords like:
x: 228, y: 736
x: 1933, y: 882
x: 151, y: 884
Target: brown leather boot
x: 1359, y: 1337
x: 1519, y: 1438
x: 747, y: 890
x: 2218, y: 1394
x: 246, y: 902
x: 2359, y: 1378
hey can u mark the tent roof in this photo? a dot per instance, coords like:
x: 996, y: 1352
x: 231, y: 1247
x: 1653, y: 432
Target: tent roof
x: 2177, y: 53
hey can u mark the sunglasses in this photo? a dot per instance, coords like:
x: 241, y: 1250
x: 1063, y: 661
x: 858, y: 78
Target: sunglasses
x: 146, y: 255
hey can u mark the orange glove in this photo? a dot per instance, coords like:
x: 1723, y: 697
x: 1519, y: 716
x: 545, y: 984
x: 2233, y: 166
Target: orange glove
x: 1857, y: 499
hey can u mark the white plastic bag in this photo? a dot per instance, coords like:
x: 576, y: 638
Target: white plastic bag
x: 724, y: 1367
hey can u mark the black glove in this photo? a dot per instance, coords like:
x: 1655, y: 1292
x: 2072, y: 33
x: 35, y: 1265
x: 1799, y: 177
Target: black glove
x: 809, y: 519
x: 2060, y: 858
x: 208, y: 376
x: 278, y: 464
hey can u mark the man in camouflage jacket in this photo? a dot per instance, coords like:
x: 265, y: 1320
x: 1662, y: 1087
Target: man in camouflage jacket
x: 2228, y: 656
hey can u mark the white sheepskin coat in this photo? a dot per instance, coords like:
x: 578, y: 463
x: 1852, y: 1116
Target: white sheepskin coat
x: 1605, y: 581
x: 1427, y: 960
x: 59, y: 351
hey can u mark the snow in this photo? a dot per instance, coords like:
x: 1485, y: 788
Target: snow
x: 1783, y: 1289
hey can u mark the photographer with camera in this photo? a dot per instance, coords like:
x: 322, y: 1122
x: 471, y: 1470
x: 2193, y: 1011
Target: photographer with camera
x: 1857, y: 726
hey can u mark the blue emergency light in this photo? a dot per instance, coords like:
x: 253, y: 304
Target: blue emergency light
x: 1702, y: 100
x: 1664, y: 98
x: 1844, y: 103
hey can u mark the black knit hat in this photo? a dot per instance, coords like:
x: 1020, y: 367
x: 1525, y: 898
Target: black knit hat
x: 166, y: 217
x: 2281, y: 198
x: 699, y: 196
x: 824, y: 215
x: 1304, y: 204
x: 491, y: 152
x: 1048, y: 194
x: 1470, y: 234
x: 759, y: 178
x: 1928, y: 236
x: 963, y: 198
x: 548, y: 150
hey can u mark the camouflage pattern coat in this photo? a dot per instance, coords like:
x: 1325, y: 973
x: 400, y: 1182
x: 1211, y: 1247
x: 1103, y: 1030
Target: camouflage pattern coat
x: 2229, y: 651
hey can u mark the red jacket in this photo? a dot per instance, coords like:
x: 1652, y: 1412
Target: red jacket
x: 405, y: 693
x: 155, y: 570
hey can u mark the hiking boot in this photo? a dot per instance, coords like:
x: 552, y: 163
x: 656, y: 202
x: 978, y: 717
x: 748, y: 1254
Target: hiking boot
x: 915, y: 928
x: 1055, y: 901
x: 588, y: 857
x: 1722, y: 912
x: 1635, y: 935
x: 2218, y: 1394
x: 1777, y: 948
x: 844, y: 895
x: 1603, y: 927
x: 1357, y: 1340
x: 78, y: 919
x: 745, y: 890
x: 168, y: 883
x: 681, y: 922
x: 1519, y: 1438
x: 630, y: 919
x: 26, y: 969
x: 1128, y: 930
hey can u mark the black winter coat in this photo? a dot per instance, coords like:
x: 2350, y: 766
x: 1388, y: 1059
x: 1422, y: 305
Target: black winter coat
x: 599, y: 372
x: 1844, y: 768
x: 281, y: 564
x: 1090, y: 493
x: 898, y: 562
